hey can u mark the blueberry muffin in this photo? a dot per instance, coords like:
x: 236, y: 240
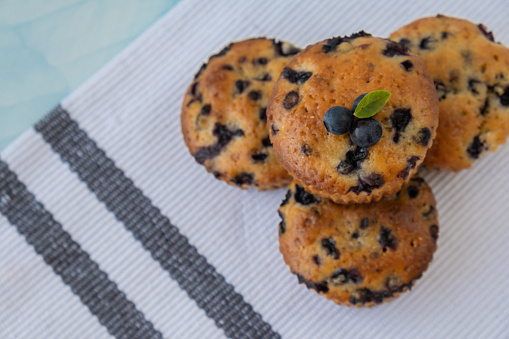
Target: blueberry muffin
x: 224, y: 119
x: 471, y: 76
x: 335, y: 72
x: 362, y: 254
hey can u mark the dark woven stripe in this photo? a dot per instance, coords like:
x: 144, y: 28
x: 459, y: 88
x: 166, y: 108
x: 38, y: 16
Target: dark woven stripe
x: 69, y: 261
x: 163, y: 240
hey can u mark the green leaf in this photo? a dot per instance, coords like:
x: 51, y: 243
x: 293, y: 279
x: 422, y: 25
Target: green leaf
x: 371, y: 104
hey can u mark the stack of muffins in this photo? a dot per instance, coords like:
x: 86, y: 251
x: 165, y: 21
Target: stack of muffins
x: 358, y: 225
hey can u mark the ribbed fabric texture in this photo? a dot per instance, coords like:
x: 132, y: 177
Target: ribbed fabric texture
x: 108, y: 172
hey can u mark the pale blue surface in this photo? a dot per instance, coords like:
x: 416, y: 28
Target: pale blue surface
x: 48, y: 48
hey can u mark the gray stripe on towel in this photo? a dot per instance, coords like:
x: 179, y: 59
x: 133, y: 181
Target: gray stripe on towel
x: 92, y: 285
x: 163, y: 240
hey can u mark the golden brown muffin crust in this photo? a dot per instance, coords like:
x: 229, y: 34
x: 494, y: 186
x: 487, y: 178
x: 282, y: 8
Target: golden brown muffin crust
x: 471, y: 75
x: 224, y: 113
x: 360, y: 254
x: 355, y: 66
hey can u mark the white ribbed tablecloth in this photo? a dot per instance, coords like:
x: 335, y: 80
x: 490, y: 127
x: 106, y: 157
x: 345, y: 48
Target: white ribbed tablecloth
x: 108, y: 227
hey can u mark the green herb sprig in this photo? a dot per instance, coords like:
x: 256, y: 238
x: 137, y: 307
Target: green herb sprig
x: 372, y: 103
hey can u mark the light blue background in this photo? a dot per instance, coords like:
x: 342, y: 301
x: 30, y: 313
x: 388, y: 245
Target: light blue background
x: 49, y: 47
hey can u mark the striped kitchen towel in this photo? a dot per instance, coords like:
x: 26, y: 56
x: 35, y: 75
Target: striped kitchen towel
x: 109, y: 228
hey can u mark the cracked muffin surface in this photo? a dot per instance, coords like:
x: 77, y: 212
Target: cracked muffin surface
x: 362, y: 254
x: 471, y: 75
x: 224, y: 113
x: 335, y: 72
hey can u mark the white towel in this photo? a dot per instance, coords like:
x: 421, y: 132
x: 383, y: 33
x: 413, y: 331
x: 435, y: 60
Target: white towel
x: 108, y: 227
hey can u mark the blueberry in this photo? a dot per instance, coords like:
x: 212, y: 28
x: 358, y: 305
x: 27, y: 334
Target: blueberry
x: 330, y: 248
x: 282, y: 224
x: 366, y: 132
x: 424, y: 136
x: 338, y: 120
x: 400, y: 120
x: 200, y: 71
x: 222, y: 52
x: 291, y: 99
x: 367, y: 184
x: 224, y: 136
x: 426, y: 43
x: 305, y: 149
x: 387, y: 239
x: 394, y: 48
x: 476, y: 148
x: 284, y: 49
x: 413, y: 191
x: 472, y: 85
x: 205, y: 110
x: 346, y: 167
x: 407, y: 65
x: 404, y: 42
x: 287, y: 198
x: 504, y: 97
x: 262, y: 114
x: 262, y: 61
x: 340, y: 277
x: 295, y: 77
x: 353, y: 160
x: 259, y: 157
x: 243, y: 179
x: 274, y: 129
x: 195, y: 93
x: 332, y: 43
x: 487, y: 34
x: 485, y: 106
x: 343, y: 276
x: 320, y: 287
x: 441, y: 89
x: 365, y: 295
x: 241, y: 85
x: 254, y: 95
x: 265, y: 77
x: 194, y: 90
x: 303, y: 197
x: 356, y: 102
x: 364, y: 223
x: 282, y: 228
x: 411, y: 163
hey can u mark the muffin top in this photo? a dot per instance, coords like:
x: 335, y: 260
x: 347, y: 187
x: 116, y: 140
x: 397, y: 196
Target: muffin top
x: 360, y: 254
x: 224, y: 113
x: 471, y: 76
x: 335, y: 72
